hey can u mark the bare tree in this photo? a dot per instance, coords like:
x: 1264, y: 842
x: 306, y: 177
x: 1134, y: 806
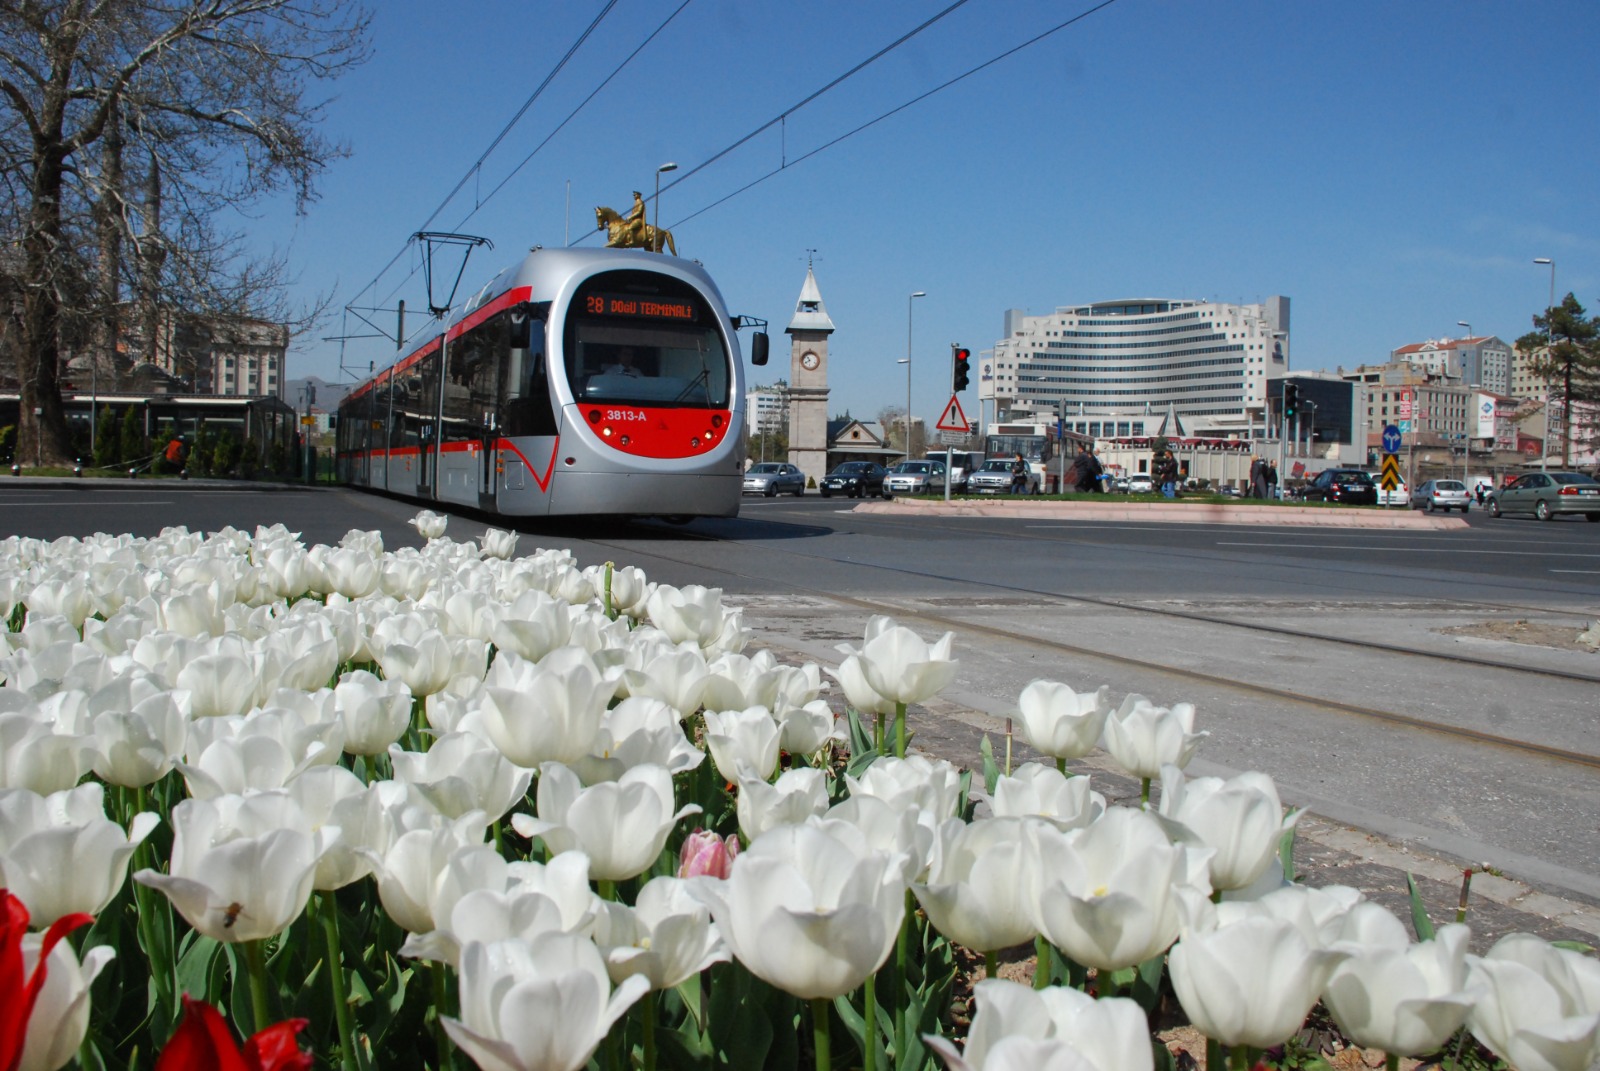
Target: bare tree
x: 208, y: 96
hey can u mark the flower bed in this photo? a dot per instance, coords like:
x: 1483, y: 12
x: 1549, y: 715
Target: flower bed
x: 453, y: 805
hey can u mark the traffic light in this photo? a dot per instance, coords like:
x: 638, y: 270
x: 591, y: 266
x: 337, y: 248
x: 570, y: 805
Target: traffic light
x: 1291, y: 399
x: 958, y: 377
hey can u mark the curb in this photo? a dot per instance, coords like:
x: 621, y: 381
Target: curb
x: 1175, y: 513
x: 155, y: 483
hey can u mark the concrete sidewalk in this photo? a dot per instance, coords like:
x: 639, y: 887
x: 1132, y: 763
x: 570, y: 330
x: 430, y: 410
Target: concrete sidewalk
x: 1035, y: 508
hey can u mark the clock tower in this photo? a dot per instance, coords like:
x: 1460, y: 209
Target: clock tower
x: 808, y: 381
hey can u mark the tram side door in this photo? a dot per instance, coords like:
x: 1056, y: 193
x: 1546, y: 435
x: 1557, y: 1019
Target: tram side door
x: 431, y: 368
x: 486, y: 411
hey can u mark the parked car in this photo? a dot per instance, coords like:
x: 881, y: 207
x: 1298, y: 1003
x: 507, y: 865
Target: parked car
x: 1119, y: 484
x: 994, y: 478
x: 1400, y: 496
x: 1443, y: 494
x: 1351, y: 487
x: 771, y: 477
x: 854, y: 479
x: 915, y: 478
x: 1548, y: 494
x: 1140, y: 483
x: 960, y: 466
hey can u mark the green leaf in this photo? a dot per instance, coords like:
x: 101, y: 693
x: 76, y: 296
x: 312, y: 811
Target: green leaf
x: 991, y: 769
x: 1286, y: 852
x: 1419, y: 911
x: 1573, y: 946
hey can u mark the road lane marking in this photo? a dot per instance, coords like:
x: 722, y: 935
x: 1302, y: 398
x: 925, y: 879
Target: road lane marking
x: 1417, y: 550
x: 93, y: 504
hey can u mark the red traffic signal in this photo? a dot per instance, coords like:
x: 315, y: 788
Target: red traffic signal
x: 958, y: 377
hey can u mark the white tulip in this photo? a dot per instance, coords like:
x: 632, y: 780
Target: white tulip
x: 1397, y: 996
x: 241, y: 868
x: 1240, y: 819
x: 741, y: 740
x: 1538, y: 1006
x: 498, y: 543
x: 541, y: 1005
x: 1251, y: 981
x: 533, y: 625
x: 425, y: 871
x: 1034, y: 790
x: 60, y: 1017
x: 430, y: 525
x: 1107, y: 895
x: 61, y: 855
x: 375, y: 712
x: 1060, y: 722
x: 676, y: 676
x: 140, y: 746
x: 796, y: 795
x: 333, y: 796
x: 620, y: 825
x: 1057, y: 1029
x: 34, y: 757
x: 690, y: 614
x: 903, y: 668
x: 461, y: 773
x: 811, y: 909
x: 974, y: 893
x: 807, y: 728
x: 914, y: 781
x: 636, y: 731
x: 1142, y: 737
x: 666, y: 936
x: 555, y: 712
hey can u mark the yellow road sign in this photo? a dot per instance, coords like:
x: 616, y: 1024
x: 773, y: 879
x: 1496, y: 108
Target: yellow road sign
x: 1391, y: 472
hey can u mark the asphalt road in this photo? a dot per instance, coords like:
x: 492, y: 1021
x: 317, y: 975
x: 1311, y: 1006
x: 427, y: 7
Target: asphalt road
x: 1233, y: 618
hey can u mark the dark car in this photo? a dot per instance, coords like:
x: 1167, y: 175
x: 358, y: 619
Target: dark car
x: 854, y: 479
x: 1351, y: 487
x: 772, y: 477
x: 1547, y: 495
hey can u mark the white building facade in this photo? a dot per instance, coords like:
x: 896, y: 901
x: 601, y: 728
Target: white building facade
x: 766, y: 410
x: 1116, y: 368
x: 1481, y: 361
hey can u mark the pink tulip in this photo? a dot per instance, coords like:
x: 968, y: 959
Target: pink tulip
x: 705, y: 854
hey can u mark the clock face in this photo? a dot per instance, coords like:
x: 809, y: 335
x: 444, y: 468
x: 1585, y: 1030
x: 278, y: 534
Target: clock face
x: 808, y: 361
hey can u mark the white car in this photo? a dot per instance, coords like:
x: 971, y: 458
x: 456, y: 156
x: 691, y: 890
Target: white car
x: 1140, y: 484
x: 1400, y: 496
x: 995, y: 478
x: 915, y: 478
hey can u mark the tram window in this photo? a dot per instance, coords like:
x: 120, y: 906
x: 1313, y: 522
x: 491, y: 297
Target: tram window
x: 526, y: 408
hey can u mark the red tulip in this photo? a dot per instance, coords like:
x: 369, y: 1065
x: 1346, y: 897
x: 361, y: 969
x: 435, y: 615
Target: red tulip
x: 203, y: 1042
x: 18, y: 992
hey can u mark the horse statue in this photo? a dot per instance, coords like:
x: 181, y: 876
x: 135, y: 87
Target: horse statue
x: 633, y: 233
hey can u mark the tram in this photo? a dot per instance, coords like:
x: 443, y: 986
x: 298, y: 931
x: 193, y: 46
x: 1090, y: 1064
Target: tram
x: 578, y: 382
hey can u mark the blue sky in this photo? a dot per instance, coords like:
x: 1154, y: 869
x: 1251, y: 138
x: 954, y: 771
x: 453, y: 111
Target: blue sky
x: 1392, y: 167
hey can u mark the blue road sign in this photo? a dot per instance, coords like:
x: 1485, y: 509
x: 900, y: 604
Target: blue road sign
x: 1391, y: 439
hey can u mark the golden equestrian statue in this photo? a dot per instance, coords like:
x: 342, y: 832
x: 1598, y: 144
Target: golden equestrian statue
x: 631, y: 231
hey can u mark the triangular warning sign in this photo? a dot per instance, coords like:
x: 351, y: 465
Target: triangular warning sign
x: 953, y: 419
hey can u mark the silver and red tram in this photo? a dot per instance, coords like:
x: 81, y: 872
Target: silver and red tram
x: 603, y: 381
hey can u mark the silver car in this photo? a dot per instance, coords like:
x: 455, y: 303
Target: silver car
x: 1547, y: 494
x: 771, y: 477
x: 1443, y: 494
x: 915, y: 478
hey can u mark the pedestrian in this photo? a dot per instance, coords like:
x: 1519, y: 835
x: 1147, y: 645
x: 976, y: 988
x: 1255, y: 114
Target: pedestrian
x: 1096, y: 474
x: 1167, y: 475
x: 1019, y: 475
x: 1272, y: 480
x: 177, y: 453
x: 1258, y: 477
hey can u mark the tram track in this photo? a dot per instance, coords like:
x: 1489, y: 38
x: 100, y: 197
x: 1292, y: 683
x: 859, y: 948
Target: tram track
x: 908, y: 612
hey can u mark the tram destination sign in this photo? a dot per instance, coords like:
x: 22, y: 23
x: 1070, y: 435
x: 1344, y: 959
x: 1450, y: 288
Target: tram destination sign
x: 634, y: 307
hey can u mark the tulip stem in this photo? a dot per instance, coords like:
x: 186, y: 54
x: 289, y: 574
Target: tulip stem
x: 606, y: 890
x: 871, y: 1029
x: 441, y: 1040
x: 1213, y: 1055
x: 1041, y: 967
x: 991, y: 964
x: 1391, y: 1061
x: 350, y: 1058
x: 1144, y: 792
x: 877, y: 732
x: 819, y: 1033
x: 900, y: 730
x: 256, y: 963
x: 648, y: 1020
x: 1240, y: 1058
x: 902, y: 960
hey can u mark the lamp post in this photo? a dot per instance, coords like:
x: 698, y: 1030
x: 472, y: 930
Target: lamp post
x: 1550, y: 343
x: 909, y: 306
x: 655, y: 241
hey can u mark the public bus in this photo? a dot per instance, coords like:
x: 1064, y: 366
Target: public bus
x: 577, y: 382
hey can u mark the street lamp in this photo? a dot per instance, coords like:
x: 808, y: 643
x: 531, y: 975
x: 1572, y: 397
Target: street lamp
x: 914, y: 295
x: 655, y: 241
x: 1550, y: 342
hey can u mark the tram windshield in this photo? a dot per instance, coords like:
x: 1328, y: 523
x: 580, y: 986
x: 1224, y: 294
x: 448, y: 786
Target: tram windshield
x: 642, y: 339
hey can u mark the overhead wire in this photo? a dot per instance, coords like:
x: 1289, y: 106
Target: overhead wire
x: 786, y: 164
